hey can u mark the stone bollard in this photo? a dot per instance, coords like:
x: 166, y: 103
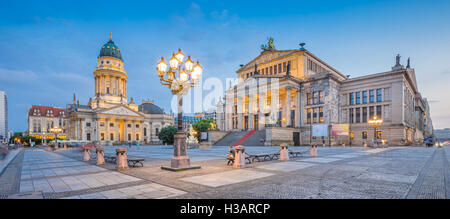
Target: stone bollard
x: 284, y: 152
x: 313, y: 151
x: 100, y: 156
x: 121, y: 157
x: 86, y: 154
x: 239, y: 159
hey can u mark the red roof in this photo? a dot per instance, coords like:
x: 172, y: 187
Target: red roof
x: 43, y: 111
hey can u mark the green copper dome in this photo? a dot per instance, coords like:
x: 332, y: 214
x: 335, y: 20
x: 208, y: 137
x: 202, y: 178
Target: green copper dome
x: 110, y: 50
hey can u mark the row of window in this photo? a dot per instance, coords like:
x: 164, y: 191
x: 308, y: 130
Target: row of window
x: 355, y: 114
x: 315, y: 67
x: 111, y: 137
x: 37, y: 112
x: 364, y: 135
x: 102, y: 124
x: 315, y: 97
x: 362, y: 98
x: 102, y: 135
x: 272, y: 70
x: 314, y: 115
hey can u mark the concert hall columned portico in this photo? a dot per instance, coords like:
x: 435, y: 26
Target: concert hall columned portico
x: 284, y: 93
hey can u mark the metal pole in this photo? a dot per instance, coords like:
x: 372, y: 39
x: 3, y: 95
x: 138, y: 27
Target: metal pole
x: 180, y: 113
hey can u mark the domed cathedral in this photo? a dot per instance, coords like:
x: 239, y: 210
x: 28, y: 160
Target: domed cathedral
x: 109, y: 118
x: 110, y: 77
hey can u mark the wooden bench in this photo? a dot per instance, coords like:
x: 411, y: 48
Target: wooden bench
x: 111, y: 158
x: 295, y: 153
x: 132, y: 161
x: 263, y: 156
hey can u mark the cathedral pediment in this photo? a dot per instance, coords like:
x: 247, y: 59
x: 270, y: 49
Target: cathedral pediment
x: 120, y: 111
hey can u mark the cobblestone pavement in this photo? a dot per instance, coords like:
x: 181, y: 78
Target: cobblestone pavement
x: 361, y: 173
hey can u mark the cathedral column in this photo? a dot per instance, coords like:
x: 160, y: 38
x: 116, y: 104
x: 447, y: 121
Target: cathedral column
x: 107, y: 135
x: 117, y: 130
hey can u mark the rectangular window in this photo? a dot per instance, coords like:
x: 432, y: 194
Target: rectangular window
x: 102, y: 136
x: 364, y: 135
x: 267, y: 70
x: 129, y: 125
x: 372, y: 96
x: 379, y: 95
x: 112, y: 137
x: 284, y: 66
x: 308, y: 116
x: 145, y: 131
x: 271, y: 70
x: 379, y: 112
x: 379, y: 134
x: 315, y: 97
x: 88, y: 136
x: 364, y: 94
x: 137, y: 126
x: 364, y: 119
x: 351, y: 115
x: 88, y: 124
x: 102, y: 124
x: 129, y: 137
x: 358, y: 115
x: 308, y: 98
x: 321, y: 97
x: 279, y: 68
x: 358, y: 98
x: 371, y: 112
x: 315, y: 115
x: 275, y: 69
x: 111, y: 124
x: 321, y: 119
x: 351, y: 98
x: 137, y: 137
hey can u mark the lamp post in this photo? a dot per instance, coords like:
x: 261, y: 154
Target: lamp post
x: 56, y: 131
x: 179, y: 79
x: 375, y: 123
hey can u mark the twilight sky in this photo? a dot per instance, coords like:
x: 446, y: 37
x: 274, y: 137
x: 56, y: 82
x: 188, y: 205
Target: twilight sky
x: 48, y: 49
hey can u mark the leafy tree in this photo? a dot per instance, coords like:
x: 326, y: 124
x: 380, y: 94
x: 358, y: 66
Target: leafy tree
x: 167, y: 134
x: 204, y: 125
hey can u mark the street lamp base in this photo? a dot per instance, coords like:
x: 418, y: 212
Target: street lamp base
x: 180, y: 169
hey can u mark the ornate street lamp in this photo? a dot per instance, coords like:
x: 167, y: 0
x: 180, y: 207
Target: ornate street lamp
x: 179, y: 79
x: 56, y: 131
x: 375, y: 123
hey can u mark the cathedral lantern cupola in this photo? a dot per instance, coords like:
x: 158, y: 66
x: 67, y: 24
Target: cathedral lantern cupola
x: 110, y: 77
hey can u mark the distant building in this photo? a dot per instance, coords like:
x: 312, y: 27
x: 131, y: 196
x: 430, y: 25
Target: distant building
x: 42, y: 118
x: 3, y: 116
x: 442, y: 134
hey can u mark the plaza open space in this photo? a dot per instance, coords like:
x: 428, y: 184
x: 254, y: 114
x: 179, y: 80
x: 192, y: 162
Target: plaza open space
x: 336, y: 173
